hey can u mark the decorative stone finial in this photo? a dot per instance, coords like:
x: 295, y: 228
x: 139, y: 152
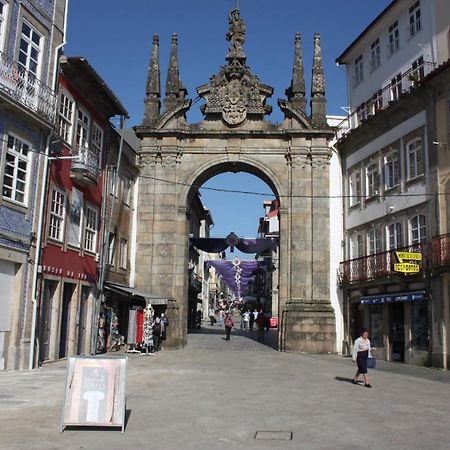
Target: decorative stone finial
x: 296, y: 92
x: 318, y: 100
x: 174, y: 88
x: 153, y: 87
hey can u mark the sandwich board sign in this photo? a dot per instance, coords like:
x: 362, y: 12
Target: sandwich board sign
x: 95, y: 392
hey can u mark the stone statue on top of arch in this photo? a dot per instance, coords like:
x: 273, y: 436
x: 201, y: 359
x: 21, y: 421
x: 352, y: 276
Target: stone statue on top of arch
x: 236, y: 34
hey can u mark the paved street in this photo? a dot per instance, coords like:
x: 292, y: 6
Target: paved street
x: 239, y: 394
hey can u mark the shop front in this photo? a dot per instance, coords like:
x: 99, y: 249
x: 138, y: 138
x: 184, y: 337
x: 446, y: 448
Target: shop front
x: 399, y: 326
x: 122, y: 317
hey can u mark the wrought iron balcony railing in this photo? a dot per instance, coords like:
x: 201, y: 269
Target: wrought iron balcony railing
x: 382, y: 99
x: 23, y: 86
x: 85, y: 169
x: 377, y: 266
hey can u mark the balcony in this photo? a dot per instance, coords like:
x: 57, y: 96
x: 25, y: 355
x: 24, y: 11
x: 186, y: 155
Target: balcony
x: 440, y: 250
x: 23, y: 87
x: 85, y: 169
x: 377, y: 266
x: 382, y: 99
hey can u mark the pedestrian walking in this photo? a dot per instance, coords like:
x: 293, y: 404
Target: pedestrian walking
x: 246, y: 320
x: 229, y: 324
x: 157, y: 334
x: 164, y: 323
x: 361, y: 353
x: 221, y: 315
x: 212, y: 317
x: 260, y: 323
x: 252, y: 319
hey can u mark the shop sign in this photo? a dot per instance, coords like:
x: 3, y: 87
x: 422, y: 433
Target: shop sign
x: 380, y: 299
x: 407, y: 267
x: 95, y: 392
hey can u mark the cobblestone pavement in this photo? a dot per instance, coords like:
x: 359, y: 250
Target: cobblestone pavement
x: 239, y: 394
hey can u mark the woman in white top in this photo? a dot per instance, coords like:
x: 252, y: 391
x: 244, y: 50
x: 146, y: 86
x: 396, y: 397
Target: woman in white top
x: 361, y: 352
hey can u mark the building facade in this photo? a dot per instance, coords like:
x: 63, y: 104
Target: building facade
x: 388, y: 163
x: 32, y: 34
x: 75, y: 212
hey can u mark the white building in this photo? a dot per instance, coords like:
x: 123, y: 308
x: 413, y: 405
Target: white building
x: 387, y: 163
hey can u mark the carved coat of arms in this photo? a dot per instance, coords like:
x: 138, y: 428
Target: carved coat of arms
x: 233, y: 101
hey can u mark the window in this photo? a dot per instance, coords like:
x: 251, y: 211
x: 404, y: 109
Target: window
x: 97, y: 139
x: 111, y: 248
x: 372, y: 180
x: 414, y: 157
x: 359, y: 70
x: 3, y: 13
x: 419, y: 326
x: 363, y: 111
x: 356, y: 246
x: 126, y: 190
x: 391, y: 170
x: 394, y: 236
x: 396, y: 87
x: 373, y: 241
x: 30, y: 51
x: 375, y: 55
x: 417, y: 71
x: 355, y: 188
x: 123, y: 253
x: 16, y: 167
x: 394, y: 38
x: 113, y: 185
x: 83, y: 124
x: 377, y: 101
x: 414, y: 19
x: 418, y: 229
x: 65, y: 116
x: 90, y: 233
x: 57, y: 215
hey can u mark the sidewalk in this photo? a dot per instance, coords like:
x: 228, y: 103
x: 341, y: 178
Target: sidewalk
x: 217, y: 394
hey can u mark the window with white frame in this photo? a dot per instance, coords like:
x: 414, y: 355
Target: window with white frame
x: 363, y: 111
x: 356, y: 246
x: 126, y: 190
x: 90, y: 230
x: 65, y: 116
x: 414, y: 158
x: 97, y: 139
x: 396, y: 87
x: 123, y: 260
x: 372, y: 180
x: 3, y: 14
x: 377, y: 101
x: 373, y: 241
x: 83, y: 126
x: 57, y: 214
x: 375, y: 55
x: 391, y: 170
x: 394, y: 236
x: 111, y: 248
x: 417, y: 71
x: 418, y: 229
x: 358, y: 70
x: 17, y: 162
x: 394, y: 38
x: 415, y: 24
x: 355, y: 187
x: 30, y: 51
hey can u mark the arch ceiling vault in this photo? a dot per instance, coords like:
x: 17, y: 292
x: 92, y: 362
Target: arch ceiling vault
x: 292, y: 157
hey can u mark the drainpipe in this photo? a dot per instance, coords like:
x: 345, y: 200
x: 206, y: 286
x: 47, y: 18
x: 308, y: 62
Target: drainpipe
x: 42, y: 204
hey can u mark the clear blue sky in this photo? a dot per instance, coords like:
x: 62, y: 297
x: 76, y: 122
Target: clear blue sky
x: 116, y: 39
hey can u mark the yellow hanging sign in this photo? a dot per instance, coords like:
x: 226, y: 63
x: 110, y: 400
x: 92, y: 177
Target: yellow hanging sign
x: 407, y: 267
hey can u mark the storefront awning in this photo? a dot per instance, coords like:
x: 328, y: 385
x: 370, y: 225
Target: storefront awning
x: 126, y: 290
x: 413, y: 296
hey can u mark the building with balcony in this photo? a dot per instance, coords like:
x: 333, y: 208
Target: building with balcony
x: 32, y: 34
x: 75, y: 212
x: 389, y: 166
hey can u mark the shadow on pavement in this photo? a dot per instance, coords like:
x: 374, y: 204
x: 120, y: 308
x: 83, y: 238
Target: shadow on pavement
x: 344, y: 379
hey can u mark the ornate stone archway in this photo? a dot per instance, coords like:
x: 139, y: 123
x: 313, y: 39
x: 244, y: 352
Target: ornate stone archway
x: 292, y: 157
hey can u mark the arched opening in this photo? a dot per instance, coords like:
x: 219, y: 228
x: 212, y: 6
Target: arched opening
x: 239, y: 199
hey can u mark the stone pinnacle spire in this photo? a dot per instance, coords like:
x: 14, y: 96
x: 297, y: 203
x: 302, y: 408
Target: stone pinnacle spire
x: 296, y: 92
x: 174, y: 88
x: 153, y: 87
x: 318, y: 100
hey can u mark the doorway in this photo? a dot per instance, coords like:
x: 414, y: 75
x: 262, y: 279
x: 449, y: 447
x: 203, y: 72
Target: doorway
x: 397, y: 327
x: 65, y: 319
x: 82, y: 319
x: 46, y: 318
